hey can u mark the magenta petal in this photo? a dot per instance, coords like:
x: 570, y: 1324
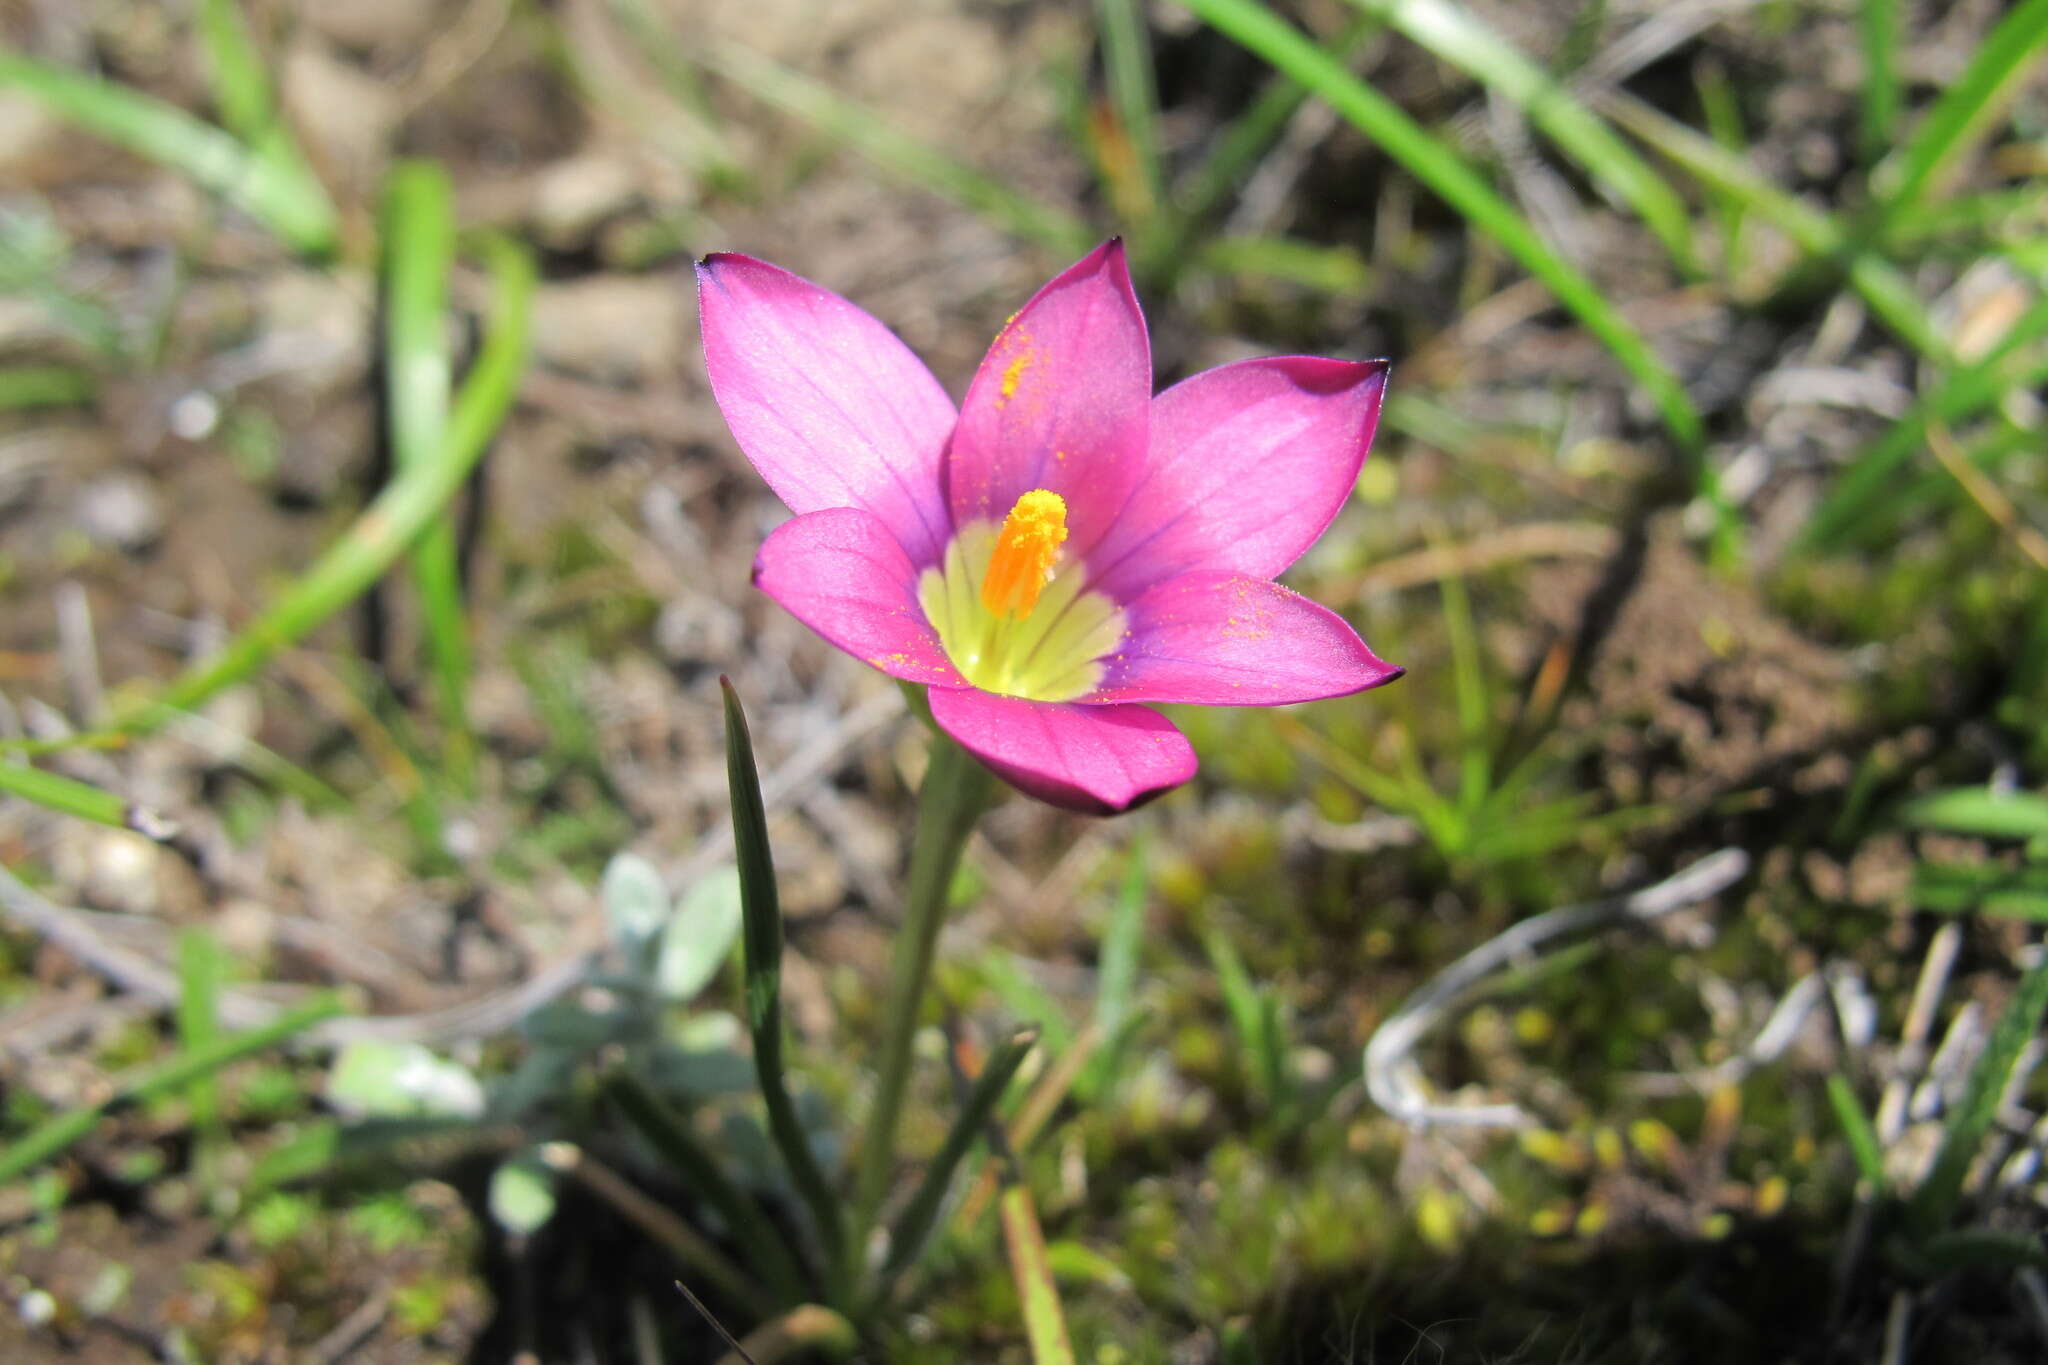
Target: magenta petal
x: 1093, y: 759
x: 1061, y: 401
x: 1219, y: 639
x: 827, y: 403
x: 1249, y: 463
x: 841, y: 573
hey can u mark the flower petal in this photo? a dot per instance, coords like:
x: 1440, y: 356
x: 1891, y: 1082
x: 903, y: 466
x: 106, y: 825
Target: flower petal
x: 1219, y: 639
x: 1249, y: 462
x: 827, y: 403
x: 1094, y: 759
x: 841, y: 573
x: 1060, y: 402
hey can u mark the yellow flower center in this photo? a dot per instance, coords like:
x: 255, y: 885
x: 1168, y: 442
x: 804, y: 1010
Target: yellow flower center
x: 1026, y: 549
x: 1012, y: 616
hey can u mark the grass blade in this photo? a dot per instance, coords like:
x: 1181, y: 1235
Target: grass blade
x: 1862, y: 1138
x: 35, y: 257
x: 761, y: 907
x: 1116, y: 972
x: 1254, y: 1017
x: 1964, y: 111
x: 1337, y: 270
x: 45, y: 386
x: 280, y: 193
x: 1236, y: 152
x: 1871, y: 474
x: 897, y: 153
x: 1722, y: 114
x: 1468, y: 685
x: 1934, y: 1203
x: 670, y: 1136
x: 81, y: 801
x: 57, y: 1134
x: 1979, y: 812
x: 1879, y: 28
x: 1989, y: 216
x: 1890, y: 295
x: 419, y: 251
x: 1136, y: 181
x: 1045, y: 1326
x: 907, y: 1235
x: 1982, y: 889
x: 1437, y: 166
x: 241, y: 86
x: 1456, y: 36
x: 388, y: 527
x: 202, y: 971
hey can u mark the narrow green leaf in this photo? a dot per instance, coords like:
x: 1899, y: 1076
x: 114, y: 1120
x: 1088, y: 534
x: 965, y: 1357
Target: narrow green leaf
x: 1987, y: 216
x: 1127, y: 57
x: 1862, y: 1138
x: 1891, y: 296
x: 65, y: 795
x: 1337, y: 270
x: 1038, y: 1295
x: 1964, y: 112
x: 54, y: 1136
x: 1903, y: 500
x: 419, y: 252
x: 1457, y: 36
x: 202, y: 972
x: 1468, y: 686
x: 761, y: 936
x: 1159, y: 253
x: 895, y: 152
x: 907, y: 1235
x: 1982, y: 888
x: 1879, y: 29
x: 1979, y: 811
x: 1437, y: 166
x: 35, y: 258
x: 1116, y: 972
x: 1871, y: 475
x: 1934, y: 1203
x: 1254, y: 1018
x: 278, y: 192
x: 388, y: 527
x: 1723, y: 116
x: 241, y: 87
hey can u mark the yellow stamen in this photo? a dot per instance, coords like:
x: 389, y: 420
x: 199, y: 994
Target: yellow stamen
x: 1025, y: 550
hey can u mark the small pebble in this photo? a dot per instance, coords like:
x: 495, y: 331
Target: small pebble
x: 122, y: 512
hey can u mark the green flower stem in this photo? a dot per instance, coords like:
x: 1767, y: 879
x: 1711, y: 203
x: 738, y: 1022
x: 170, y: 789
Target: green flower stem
x: 956, y: 791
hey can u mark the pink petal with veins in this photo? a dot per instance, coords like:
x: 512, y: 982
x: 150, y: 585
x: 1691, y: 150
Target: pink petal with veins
x: 841, y: 573
x: 1060, y: 402
x: 827, y: 403
x: 1220, y: 639
x: 1094, y: 759
x: 1248, y: 464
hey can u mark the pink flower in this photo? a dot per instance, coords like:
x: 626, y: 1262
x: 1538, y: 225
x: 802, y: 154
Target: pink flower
x: 1063, y: 548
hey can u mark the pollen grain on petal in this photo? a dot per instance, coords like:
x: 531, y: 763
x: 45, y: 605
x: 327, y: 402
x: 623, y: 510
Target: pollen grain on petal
x: 1013, y: 374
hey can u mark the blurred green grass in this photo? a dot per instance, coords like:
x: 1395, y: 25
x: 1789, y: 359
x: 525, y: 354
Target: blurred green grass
x: 1231, y: 1188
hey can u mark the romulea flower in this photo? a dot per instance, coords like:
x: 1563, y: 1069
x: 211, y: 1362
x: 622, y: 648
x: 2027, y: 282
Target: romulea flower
x: 1065, y: 547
